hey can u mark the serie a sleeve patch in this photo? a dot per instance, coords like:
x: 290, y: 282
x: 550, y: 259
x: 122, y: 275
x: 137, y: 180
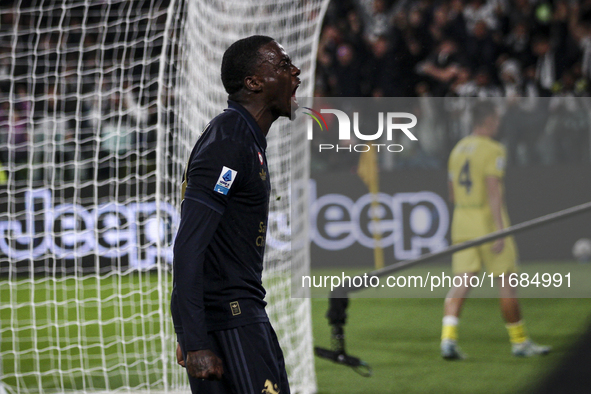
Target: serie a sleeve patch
x: 225, y: 180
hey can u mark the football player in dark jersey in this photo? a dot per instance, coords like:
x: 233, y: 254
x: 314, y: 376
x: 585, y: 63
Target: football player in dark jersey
x: 225, y: 339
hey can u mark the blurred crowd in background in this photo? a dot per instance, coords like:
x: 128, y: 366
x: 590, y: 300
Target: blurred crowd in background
x: 75, y: 92
x: 511, y: 49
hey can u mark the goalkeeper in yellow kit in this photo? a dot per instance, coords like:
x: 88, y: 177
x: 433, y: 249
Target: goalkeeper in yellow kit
x: 476, y: 170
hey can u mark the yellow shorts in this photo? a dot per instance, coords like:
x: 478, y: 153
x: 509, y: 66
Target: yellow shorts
x: 471, y: 260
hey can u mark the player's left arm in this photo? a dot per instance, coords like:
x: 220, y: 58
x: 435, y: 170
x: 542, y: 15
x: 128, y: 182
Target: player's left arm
x: 450, y: 181
x: 450, y: 192
x: 494, y: 190
x: 494, y: 173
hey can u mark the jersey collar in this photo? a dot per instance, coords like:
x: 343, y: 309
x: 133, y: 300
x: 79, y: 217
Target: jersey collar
x: 259, y: 137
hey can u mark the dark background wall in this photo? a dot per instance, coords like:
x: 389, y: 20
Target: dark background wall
x: 530, y: 192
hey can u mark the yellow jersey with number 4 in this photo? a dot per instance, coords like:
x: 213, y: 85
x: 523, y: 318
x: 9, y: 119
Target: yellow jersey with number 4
x: 472, y: 160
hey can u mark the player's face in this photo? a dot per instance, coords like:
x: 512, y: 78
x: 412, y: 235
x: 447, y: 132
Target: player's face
x: 281, y: 79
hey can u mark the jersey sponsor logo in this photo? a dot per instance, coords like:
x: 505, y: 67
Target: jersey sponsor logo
x: 270, y: 388
x: 260, y: 157
x: 235, y: 308
x: 224, y: 183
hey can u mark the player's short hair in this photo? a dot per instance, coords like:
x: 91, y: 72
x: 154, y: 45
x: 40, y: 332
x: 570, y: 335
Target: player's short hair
x: 481, y: 111
x: 240, y: 61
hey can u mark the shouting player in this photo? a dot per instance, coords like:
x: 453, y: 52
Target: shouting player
x: 225, y: 340
x: 476, y: 170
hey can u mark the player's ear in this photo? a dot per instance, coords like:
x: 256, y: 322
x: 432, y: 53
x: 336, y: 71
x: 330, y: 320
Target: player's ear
x: 253, y: 83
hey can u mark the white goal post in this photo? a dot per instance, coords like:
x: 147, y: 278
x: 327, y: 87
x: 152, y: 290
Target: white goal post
x: 101, y: 102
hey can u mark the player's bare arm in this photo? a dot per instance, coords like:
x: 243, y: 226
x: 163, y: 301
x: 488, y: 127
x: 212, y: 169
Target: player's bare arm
x: 494, y: 190
x: 450, y: 192
x: 204, y: 364
x: 179, y: 355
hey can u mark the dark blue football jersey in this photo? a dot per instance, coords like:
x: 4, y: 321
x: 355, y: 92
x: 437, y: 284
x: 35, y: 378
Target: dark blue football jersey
x: 221, y: 239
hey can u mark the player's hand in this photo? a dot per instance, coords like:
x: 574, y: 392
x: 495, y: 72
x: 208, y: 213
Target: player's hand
x: 179, y: 355
x: 498, y: 245
x: 204, y: 364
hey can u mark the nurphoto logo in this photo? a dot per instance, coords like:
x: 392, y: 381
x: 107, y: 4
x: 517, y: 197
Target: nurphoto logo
x: 362, y: 129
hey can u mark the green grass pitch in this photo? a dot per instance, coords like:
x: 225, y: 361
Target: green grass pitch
x: 399, y: 338
x: 42, y: 336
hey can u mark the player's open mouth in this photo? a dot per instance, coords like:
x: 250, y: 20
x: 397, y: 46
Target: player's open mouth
x: 293, y: 93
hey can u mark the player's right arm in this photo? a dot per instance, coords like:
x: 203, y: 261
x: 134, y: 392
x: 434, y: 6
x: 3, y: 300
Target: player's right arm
x: 494, y: 172
x: 188, y: 309
x: 198, y: 224
x: 450, y: 191
x: 494, y: 190
x: 215, y: 170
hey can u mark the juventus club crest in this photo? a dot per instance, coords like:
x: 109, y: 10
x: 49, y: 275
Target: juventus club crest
x: 270, y: 388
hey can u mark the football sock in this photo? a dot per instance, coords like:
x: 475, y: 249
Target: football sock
x: 516, y: 332
x: 450, y: 328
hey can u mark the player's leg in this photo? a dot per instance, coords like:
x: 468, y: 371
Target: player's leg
x: 454, y: 300
x: 521, y: 344
x: 505, y: 262
x: 451, y: 316
x: 256, y: 363
x: 464, y: 264
x: 509, y: 303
